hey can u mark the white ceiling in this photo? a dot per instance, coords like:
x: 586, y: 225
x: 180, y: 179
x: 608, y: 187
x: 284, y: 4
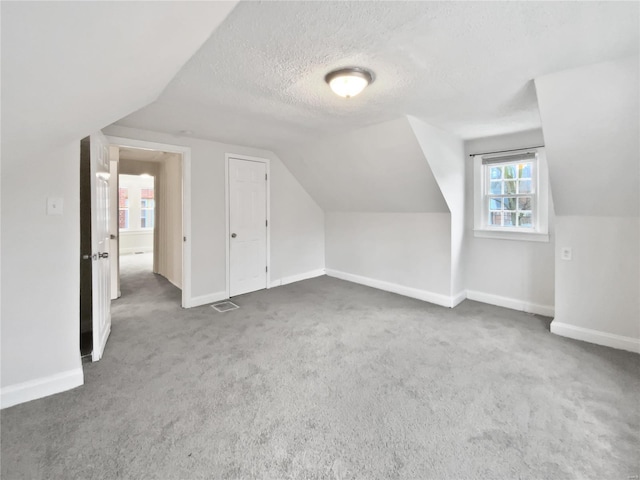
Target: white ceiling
x: 466, y: 67
x: 144, y: 155
x: 70, y: 68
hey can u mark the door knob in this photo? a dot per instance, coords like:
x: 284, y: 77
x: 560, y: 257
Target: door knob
x: 233, y: 235
x: 103, y: 255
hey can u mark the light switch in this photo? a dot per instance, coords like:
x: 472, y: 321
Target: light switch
x: 566, y: 253
x: 54, y: 206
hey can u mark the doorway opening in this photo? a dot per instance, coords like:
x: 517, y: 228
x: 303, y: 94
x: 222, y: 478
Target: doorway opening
x: 166, y: 212
x: 149, y: 213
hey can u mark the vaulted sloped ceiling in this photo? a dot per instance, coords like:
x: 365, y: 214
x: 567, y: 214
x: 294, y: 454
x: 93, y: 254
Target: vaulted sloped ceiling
x: 71, y: 68
x: 379, y: 168
x: 590, y: 120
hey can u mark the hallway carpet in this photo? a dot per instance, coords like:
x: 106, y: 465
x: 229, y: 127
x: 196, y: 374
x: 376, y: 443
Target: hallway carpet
x: 328, y: 379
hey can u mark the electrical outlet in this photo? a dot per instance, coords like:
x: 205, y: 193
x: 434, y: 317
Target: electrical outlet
x: 54, y: 206
x: 566, y: 253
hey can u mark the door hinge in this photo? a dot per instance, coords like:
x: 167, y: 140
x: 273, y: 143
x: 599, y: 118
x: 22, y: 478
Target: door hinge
x: 266, y: 269
x: 184, y: 239
x: 265, y: 176
x: 266, y: 223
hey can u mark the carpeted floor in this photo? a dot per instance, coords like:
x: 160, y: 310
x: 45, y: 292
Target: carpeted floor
x: 328, y: 379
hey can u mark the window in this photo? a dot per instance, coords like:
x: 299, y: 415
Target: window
x: 123, y: 208
x: 511, y: 200
x: 147, y: 206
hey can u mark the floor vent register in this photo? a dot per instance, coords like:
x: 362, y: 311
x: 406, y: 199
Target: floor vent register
x: 224, y: 306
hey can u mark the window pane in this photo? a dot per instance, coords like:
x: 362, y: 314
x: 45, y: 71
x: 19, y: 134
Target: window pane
x: 525, y: 219
x: 509, y: 171
x: 524, y: 186
x: 495, y: 218
x: 495, y: 188
x: 123, y: 219
x: 123, y: 197
x: 146, y: 218
x: 509, y: 219
x: 524, y: 170
x: 510, y: 187
x: 496, y: 173
x: 509, y: 203
x: 524, y: 203
x: 495, y: 204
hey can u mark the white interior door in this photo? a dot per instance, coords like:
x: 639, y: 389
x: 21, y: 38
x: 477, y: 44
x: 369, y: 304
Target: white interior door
x: 100, y: 239
x: 247, y: 226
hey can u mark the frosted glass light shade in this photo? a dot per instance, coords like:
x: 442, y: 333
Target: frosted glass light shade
x: 348, y: 82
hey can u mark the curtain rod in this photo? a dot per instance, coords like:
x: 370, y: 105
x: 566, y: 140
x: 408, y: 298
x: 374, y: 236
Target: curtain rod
x: 506, y: 151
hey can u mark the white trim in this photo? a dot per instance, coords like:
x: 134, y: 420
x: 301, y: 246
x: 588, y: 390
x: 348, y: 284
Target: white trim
x: 267, y: 163
x: 206, y: 299
x: 431, y: 297
x: 541, y: 199
x: 297, y: 278
x: 512, y: 303
x: 458, y: 298
x: 595, y: 336
x: 186, y: 200
x: 41, y: 387
x: 524, y: 236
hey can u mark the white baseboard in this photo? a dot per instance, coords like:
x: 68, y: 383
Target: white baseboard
x: 595, y: 336
x: 458, y: 298
x: 431, y: 297
x: 297, y: 278
x: 205, y: 299
x: 41, y: 387
x: 512, y: 303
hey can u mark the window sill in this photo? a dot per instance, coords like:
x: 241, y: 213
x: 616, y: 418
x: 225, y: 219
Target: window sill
x: 521, y: 236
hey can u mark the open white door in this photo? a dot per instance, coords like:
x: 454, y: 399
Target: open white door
x: 100, y: 239
x: 248, y: 226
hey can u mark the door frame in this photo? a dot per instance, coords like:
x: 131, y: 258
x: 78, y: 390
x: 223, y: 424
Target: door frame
x: 267, y: 162
x: 186, y: 201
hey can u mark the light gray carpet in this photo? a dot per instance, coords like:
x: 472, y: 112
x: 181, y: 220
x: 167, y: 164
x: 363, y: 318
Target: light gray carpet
x: 327, y: 379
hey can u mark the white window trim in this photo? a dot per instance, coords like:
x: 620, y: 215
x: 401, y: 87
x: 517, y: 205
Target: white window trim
x: 540, y: 233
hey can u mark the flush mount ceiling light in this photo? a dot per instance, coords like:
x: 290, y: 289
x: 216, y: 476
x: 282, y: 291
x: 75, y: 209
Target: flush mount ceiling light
x: 348, y: 82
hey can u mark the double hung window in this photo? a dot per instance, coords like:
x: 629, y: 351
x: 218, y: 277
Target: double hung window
x: 511, y: 196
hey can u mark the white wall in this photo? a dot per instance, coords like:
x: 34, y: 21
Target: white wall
x: 512, y: 273
x: 392, y: 250
x: 590, y: 117
x: 297, y: 227
x: 445, y: 154
x: 41, y: 275
x: 598, y: 289
x: 294, y: 215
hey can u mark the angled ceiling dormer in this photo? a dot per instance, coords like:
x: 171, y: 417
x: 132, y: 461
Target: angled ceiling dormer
x: 379, y: 168
x: 590, y: 120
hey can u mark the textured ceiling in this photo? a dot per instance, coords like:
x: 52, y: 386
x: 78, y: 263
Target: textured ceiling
x: 466, y: 67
